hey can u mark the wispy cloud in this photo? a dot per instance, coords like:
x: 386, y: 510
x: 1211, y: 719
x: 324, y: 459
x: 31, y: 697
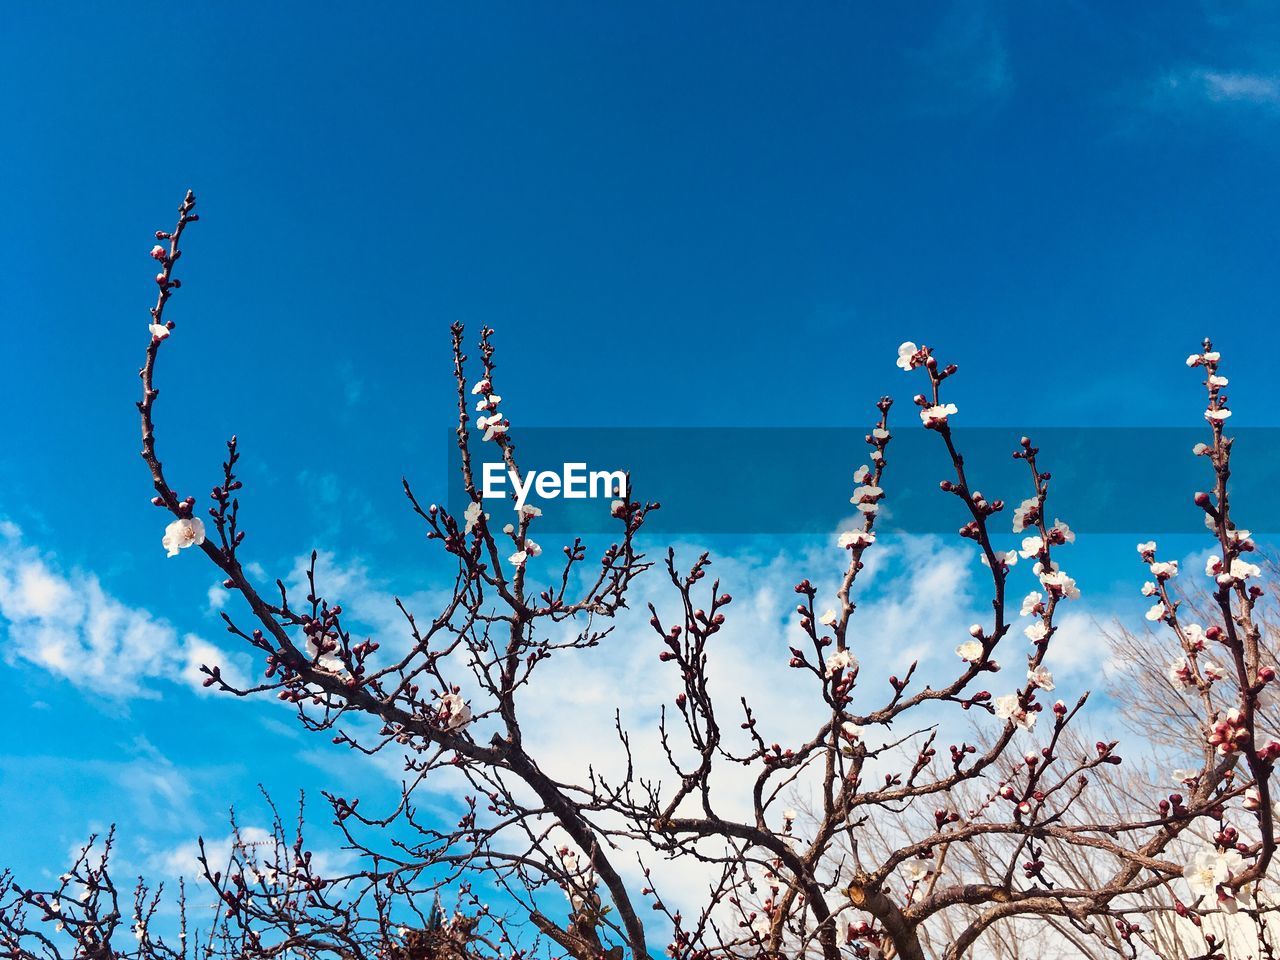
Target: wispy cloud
x: 965, y: 61
x: 65, y: 622
x: 1203, y: 86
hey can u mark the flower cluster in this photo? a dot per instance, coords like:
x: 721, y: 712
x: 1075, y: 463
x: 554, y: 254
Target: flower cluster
x: 1230, y: 733
x: 491, y: 421
x: 1217, y: 411
x: 579, y: 881
x: 1236, y: 571
x: 1011, y: 707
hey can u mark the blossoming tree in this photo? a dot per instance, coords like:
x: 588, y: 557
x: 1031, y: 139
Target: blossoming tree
x: 911, y: 846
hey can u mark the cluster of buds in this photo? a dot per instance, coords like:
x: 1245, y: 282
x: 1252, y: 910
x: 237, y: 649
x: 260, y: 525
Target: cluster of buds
x: 1174, y: 806
x: 933, y: 413
x: 1229, y: 733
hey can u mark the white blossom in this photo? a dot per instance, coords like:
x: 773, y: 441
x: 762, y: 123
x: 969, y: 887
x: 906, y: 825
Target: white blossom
x: 327, y: 661
x: 1219, y: 415
x: 482, y: 386
x: 1146, y: 548
x: 454, y: 711
x: 1242, y: 569
x: 1009, y: 559
x: 1058, y: 583
x: 1029, y: 603
x: 1180, y: 674
x: 1157, y: 612
x: 866, y: 494
x: 159, y: 330
x: 856, y: 538
x: 828, y: 618
x: 1025, y: 513
x: 915, y: 870
x: 1210, y: 870
x: 1041, y: 678
x: 182, y: 533
x: 1036, y: 632
x: 1031, y: 546
x: 1194, y: 634
x: 1009, y: 707
x: 472, y: 515
x: 1205, y: 872
x: 840, y: 660
x: 937, y: 414
x: 906, y: 355
x: 970, y: 650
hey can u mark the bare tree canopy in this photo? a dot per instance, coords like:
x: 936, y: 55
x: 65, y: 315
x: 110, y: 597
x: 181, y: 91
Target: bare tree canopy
x: 914, y: 847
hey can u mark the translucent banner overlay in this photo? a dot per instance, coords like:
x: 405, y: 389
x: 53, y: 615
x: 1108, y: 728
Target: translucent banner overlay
x: 799, y: 480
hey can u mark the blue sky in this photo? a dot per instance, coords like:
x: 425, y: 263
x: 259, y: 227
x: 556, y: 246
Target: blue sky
x: 721, y: 215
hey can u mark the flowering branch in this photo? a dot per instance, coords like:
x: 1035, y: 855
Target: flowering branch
x: 904, y: 849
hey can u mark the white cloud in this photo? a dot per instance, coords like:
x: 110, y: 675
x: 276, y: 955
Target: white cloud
x: 66, y: 623
x: 1248, y: 87
x: 183, y: 859
x: 1204, y: 86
